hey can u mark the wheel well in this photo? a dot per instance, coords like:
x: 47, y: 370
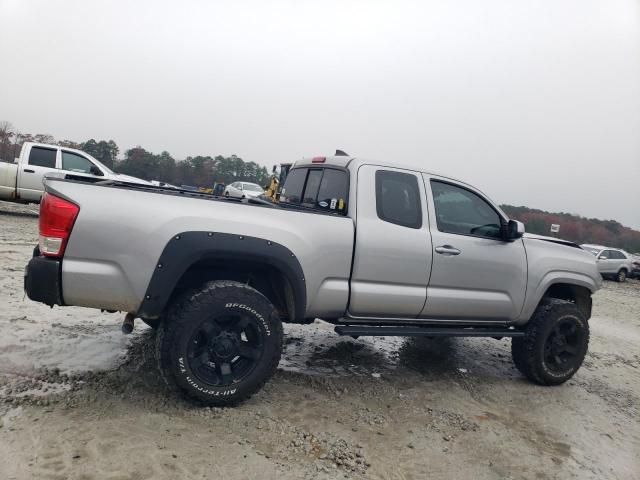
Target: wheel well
x: 265, y: 278
x: 581, y: 296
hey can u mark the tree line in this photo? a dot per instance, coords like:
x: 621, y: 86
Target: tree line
x: 576, y: 228
x: 204, y: 171
x: 198, y: 171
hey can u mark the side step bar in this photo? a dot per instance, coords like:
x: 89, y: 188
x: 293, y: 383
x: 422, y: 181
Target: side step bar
x: 412, y: 331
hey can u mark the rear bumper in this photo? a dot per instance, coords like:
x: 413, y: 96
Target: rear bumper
x: 43, y: 280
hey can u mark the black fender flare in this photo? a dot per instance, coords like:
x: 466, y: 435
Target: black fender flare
x: 188, y: 248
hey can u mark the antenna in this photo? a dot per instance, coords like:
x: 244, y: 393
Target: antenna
x: 341, y: 153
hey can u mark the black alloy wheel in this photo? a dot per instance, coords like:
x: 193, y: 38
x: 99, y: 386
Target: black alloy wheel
x: 563, y: 345
x: 224, y: 350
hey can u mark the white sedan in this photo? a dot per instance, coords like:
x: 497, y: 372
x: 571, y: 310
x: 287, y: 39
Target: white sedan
x: 243, y: 190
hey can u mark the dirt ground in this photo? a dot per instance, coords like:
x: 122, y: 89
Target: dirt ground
x: 80, y: 400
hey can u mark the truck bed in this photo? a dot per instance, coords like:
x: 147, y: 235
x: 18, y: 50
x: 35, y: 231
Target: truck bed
x: 122, y: 230
x: 8, y: 176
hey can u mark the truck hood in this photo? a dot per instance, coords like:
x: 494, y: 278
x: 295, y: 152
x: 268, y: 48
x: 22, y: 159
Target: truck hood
x: 559, y: 241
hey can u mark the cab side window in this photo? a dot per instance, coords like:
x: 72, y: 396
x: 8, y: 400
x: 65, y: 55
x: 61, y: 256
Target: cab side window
x: 398, y: 198
x: 42, y: 157
x: 75, y: 163
x: 461, y: 211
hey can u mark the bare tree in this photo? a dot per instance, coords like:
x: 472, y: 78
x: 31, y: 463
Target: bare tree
x: 6, y: 133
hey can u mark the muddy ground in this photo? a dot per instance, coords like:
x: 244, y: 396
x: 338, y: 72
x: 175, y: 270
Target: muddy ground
x: 80, y: 400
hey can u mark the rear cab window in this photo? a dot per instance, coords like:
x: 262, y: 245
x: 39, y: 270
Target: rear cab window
x: 323, y: 189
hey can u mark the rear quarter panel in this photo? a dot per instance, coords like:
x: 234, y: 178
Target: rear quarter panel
x: 120, y: 233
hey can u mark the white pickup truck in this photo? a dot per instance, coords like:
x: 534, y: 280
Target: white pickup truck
x: 21, y: 181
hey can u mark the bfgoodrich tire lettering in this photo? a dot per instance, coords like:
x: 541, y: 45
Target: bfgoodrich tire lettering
x: 555, y: 344
x: 220, y: 344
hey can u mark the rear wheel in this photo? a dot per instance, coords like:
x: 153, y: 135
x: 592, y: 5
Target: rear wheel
x: 555, y: 344
x: 220, y: 344
x: 622, y: 276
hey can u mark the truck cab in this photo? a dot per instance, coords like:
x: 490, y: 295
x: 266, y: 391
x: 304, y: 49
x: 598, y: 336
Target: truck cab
x: 22, y: 180
x: 423, y: 242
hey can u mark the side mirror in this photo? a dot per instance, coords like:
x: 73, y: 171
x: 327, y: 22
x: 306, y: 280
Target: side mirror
x: 603, y: 257
x: 515, y: 230
x: 96, y: 171
x: 273, y: 170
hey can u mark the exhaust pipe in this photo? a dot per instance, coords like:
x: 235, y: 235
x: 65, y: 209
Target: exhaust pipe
x: 127, y: 324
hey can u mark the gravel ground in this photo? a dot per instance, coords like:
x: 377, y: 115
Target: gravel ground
x: 80, y: 400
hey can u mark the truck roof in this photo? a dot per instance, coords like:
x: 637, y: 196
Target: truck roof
x: 345, y: 161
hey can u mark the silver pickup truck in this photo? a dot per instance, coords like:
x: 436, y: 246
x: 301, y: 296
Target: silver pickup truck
x: 373, y: 248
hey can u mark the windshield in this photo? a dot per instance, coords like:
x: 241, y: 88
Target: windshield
x: 252, y: 187
x: 592, y: 250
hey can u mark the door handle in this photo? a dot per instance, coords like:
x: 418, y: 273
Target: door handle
x: 28, y: 170
x: 447, y: 250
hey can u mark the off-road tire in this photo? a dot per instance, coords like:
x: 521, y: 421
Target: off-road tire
x: 528, y: 352
x: 217, y: 299
x: 621, y: 277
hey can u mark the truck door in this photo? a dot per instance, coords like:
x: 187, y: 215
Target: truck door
x: 37, y: 162
x: 392, y: 258
x: 475, y: 275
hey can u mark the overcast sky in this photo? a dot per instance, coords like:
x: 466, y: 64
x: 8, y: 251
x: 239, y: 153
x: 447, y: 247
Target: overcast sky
x: 536, y: 103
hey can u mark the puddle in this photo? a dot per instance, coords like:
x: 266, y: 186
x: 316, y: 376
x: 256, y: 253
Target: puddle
x: 317, y: 350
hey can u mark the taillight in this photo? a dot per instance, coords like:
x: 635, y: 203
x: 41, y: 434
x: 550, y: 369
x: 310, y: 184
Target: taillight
x: 57, y: 217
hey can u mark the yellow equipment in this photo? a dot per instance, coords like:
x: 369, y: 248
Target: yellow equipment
x: 276, y: 181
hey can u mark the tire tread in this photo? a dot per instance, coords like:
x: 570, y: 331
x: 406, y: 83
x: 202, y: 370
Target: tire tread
x: 523, y: 348
x: 180, y: 311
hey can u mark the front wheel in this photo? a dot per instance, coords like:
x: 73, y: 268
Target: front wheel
x: 220, y: 344
x: 555, y: 343
x: 622, y: 276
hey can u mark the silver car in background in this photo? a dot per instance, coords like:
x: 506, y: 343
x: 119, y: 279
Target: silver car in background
x: 612, y: 262
x: 243, y: 190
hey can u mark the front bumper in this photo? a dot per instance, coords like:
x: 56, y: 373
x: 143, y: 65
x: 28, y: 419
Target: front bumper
x: 43, y: 280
